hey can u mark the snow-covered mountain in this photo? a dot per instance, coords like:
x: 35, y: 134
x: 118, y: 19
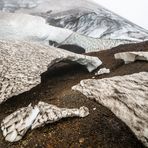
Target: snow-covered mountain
x: 80, y: 16
x: 36, y: 29
x: 98, y: 24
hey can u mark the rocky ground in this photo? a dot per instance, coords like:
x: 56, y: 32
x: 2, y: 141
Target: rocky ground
x: 100, y: 129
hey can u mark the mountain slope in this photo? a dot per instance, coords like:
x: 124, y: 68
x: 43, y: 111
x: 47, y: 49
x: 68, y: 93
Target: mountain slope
x: 82, y: 16
x: 98, y: 24
x: 37, y: 30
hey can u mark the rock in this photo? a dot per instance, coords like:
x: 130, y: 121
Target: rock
x: 129, y: 57
x: 102, y: 71
x: 125, y: 96
x: 22, y: 63
x: 16, y: 125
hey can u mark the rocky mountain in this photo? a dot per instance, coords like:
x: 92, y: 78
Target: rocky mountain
x: 82, y: 16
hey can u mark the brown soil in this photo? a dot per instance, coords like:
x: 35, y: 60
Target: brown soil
x: 100, y: 129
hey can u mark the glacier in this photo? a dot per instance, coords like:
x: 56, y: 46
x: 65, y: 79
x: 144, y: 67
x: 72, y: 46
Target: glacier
x: 83, y: 17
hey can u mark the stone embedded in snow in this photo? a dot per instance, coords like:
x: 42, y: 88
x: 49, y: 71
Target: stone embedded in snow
x: 129, y: 57
x: 126, y: 96
x: 102, y: 71
x: 51, y: 113
x: 22, y: 63
x: 15, y: 126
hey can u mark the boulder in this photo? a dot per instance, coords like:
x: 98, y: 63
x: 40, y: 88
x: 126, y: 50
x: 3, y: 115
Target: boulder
x: 126, y: 96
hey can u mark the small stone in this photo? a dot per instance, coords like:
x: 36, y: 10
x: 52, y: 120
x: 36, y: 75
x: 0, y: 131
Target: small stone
x: 94, y: 108
x: 81, y: 140
x: 102, y: 71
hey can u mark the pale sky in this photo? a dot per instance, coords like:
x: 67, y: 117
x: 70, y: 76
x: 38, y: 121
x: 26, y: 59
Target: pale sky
x: 133, y: 10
